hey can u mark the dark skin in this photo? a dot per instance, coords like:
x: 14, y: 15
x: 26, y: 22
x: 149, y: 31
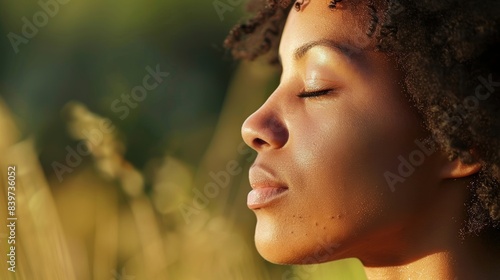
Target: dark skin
x: 336, y: 123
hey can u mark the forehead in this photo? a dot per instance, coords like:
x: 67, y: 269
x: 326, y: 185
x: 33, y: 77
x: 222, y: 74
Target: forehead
x: 346, y: 25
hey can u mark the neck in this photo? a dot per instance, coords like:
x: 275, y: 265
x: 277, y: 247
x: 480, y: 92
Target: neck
x: 446, y: 264
x: 431, y: 247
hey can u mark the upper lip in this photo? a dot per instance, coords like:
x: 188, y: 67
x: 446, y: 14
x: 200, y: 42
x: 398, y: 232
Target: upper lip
x: 263, y: 177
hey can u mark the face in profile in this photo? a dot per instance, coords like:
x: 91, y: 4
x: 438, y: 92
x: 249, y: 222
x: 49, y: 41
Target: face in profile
x: 337, y: 122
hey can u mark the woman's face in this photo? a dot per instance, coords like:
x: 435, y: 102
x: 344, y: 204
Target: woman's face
x: 319, y: 186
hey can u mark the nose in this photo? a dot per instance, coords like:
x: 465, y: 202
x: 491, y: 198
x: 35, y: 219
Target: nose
x: 264, y: 130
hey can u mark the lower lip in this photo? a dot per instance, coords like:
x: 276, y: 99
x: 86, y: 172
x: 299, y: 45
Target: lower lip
x: 261, y: 197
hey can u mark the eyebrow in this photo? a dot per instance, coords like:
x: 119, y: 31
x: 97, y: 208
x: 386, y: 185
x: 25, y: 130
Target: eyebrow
x: 342, y: 49
x: 335, y: 46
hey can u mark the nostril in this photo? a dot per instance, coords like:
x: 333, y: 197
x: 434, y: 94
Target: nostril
x: 259, y: 142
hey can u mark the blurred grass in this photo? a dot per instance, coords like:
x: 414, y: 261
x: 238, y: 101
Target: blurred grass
x: 117, y: 214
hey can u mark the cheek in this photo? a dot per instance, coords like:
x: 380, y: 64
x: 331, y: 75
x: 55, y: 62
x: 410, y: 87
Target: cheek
x: 353, y: 142
x: 341, y: 163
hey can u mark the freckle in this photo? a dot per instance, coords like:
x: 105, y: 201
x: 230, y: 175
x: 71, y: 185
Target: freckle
x: 316, y: 223
x: 338, y: 216
x: 333, y: 217
x: 300, y: 217
x: 291, y: 232
x: 294, y: 216
x: 324, y: 227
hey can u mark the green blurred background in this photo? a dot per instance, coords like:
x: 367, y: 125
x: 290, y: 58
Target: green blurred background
x: 105, y: 194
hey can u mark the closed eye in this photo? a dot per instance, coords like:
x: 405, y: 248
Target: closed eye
x: 317, y: 93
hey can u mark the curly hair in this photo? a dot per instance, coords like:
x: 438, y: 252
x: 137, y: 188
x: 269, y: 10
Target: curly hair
x: 449, y: 52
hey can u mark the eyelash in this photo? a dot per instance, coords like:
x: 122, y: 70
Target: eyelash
x: 318, y: 93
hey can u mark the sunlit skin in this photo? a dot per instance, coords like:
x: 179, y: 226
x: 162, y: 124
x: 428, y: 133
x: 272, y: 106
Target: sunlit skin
x: 326, y: 156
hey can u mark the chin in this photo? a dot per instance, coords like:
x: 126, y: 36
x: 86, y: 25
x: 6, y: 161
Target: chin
x: 289, y: 254
x: 281, y: 246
